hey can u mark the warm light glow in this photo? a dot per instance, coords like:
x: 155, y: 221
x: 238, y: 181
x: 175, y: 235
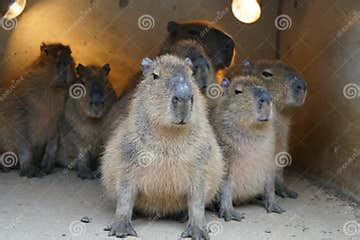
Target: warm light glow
x: 246, y: 11
x: 15, y: 9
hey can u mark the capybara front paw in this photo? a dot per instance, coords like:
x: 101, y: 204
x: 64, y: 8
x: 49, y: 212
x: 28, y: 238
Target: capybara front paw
x: 282, y: 191
x: 292, y: 194
x: 286, y: 193
x: 195, y: 233
x: 230, y: 214
x: 121, y: 229
x: 274, y: 208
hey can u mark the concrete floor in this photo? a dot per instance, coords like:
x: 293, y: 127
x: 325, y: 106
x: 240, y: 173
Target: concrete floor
x: 50, y: 208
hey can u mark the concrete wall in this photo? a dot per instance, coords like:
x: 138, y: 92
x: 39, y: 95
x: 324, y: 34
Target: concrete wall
x: 102, y: 31
x: 324, y: 44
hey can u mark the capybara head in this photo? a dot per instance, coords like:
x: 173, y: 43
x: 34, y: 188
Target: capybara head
x: 59, y: 58
x: 98, y: 94
x: 219, y: 46
x: 246, y: 103
x: 168, y: 90
x: 202, y: 69
x: 285, y: 85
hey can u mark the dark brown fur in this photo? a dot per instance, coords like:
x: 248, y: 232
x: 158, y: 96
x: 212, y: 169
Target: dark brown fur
x: 218, y: 45
x: 29, y: 116
x: 83, y: 129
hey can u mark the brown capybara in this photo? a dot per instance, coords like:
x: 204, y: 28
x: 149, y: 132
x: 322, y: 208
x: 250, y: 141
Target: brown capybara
x: 163, y: 158
x: 29, y: 115
x: 289, y: 92
x: 243, y: 123
x: 82, y: 131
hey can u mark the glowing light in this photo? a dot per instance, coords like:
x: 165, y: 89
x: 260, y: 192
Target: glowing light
x: 246, y: 11
x: 15, y: 9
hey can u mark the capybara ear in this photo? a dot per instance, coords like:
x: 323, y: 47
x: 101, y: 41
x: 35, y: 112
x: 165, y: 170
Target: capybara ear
x: 106, y: 68
x: 188, y: 62
x: 80, y: 69
x: 43, y: 48
x: 172, y: 27
x: 225, y: 83
x: 246, y: 66
x: 146, y: 64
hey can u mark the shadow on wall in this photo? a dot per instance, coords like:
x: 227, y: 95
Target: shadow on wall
x: 122, y: 33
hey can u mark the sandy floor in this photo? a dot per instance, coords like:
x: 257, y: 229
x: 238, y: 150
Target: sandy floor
x: 50, y: 208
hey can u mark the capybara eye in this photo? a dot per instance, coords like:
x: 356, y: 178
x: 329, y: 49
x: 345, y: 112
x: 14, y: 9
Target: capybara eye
x: 238, y: 91
x: 267, y: 74
x: 155, y: 76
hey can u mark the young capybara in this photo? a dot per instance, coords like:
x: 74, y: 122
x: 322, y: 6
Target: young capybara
x: 243, y: 123
x: 289, y: 92
x: 163, y: 158
x: 29, y: 116
x: 82, y: 131
x: 202, y: 68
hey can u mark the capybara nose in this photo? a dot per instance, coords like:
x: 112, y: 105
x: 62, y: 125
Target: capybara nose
x: 97, y: 100
x: 301, y: 84
x: 265, y: 98
x: 182, y: 106
x: 182, y: 92
x: 263, y: 104
x: 182, y: 99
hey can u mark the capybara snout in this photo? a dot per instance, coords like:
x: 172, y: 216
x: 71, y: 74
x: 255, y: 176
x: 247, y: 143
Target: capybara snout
x: 298, y: 89
x: 182, y: 98
x: 263, y: 104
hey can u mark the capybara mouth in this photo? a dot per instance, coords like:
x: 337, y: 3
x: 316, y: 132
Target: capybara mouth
x: 95, y: 113
x: 181, y: 123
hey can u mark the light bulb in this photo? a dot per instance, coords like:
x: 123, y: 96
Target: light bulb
x: 15, y: 9
x: 246, y: 11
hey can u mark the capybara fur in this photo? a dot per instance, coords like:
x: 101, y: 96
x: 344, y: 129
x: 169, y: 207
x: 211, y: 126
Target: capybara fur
x: 218, y: 45
x: 243, y: 123
x: 164, y: 158
x: 289, y: 92
x: 203, y: 71
x: 83, y: 129
x: 29, y: 116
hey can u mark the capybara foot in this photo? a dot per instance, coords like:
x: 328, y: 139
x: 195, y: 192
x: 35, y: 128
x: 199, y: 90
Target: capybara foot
x: 121, y: 229
x: 196, y: 233
x: 230, y: 214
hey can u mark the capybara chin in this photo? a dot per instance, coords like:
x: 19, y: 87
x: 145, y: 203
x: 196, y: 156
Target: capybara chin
x: 243, y: 123
x: 82, y: 130
x: 289, y: 92
x: 31, y: 113
x: 164, y: 157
